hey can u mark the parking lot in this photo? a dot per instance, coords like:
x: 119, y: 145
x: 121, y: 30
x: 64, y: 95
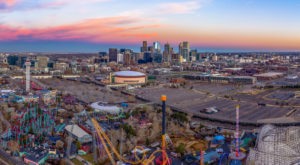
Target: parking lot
x: 193, y: 101
x: 175, y: 97
x: 272, y: 97
x: 216, y: 89
x: 249, y: 112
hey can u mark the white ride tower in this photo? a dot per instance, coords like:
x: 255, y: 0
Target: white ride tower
x: 27, y: 64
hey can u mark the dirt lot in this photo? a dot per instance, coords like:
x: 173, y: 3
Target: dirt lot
x: 86, y: 92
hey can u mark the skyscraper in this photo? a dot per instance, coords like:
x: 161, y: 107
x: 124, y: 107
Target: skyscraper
x: 180, y: 48
x: 129, y: 59
x: 186, y: 51
x: 113, y: 54
x: 156, y: 47
x: 120, y: 58
x: 167, y: 53
x: 144, y: 47
x: 193, y: 55
x: 150, y: 49
x: 147, y: 57
x: 42, y: 62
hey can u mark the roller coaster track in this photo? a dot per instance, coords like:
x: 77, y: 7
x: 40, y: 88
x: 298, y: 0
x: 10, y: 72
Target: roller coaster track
x: 105, y: 140
x: 119, y: 115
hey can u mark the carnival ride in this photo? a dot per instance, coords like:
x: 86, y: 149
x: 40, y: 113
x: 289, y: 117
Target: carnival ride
x: 104, y: 142
x: 12, y: 97
x: 224, y: 159
x: 117, y: 116
x: 34, y: 123
x: 33, y: 85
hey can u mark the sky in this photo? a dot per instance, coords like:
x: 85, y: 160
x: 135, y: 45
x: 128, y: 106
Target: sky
x: 96, y: 25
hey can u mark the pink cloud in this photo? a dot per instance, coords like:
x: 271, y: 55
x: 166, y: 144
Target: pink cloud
x: 6, y: 4
x: 112, y: 29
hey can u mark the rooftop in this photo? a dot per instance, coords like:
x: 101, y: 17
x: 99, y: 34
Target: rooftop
x: 77, y: 131
x: 129, y: 73
x: 269, y: 74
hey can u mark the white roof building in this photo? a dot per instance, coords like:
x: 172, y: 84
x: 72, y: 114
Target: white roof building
x: 98, y: 107
x: 79, y: 133
x: 129, y: 74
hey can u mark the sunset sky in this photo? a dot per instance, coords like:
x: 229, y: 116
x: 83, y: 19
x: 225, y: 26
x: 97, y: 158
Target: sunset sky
x: 95, y: 25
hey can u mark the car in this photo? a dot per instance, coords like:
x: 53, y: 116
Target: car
x: 261, y: 104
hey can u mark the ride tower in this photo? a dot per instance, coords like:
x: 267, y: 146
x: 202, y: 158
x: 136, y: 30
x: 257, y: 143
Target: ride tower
x: 164, y: 99
x: 27, y: 64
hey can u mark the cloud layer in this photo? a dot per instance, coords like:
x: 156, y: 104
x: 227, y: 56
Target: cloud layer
x: 110, y: 29
x: 179, y: 7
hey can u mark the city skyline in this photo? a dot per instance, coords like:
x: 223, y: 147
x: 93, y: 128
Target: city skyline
x: 96, y: 25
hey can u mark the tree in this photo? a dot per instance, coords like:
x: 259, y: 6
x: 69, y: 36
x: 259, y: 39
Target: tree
x: 147, y: 142
x: 129, y: 130
x: 89, y: 109
x: 59, y: 145
x: 180, y: 149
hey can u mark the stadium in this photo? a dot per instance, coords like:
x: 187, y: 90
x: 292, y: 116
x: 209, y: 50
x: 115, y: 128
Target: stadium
x: 130, y: 77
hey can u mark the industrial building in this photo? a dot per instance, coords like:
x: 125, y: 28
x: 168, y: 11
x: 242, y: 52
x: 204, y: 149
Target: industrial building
x: 269, y: 75
x: 214, y: 78
x: 130, y: 77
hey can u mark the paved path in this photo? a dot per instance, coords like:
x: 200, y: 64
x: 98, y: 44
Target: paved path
x: 80, y: 159
x: 3, y: 162
x: 69, y: 162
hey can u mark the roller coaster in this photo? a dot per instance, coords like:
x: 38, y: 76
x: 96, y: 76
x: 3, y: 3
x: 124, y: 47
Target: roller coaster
x: 108, y: 146
x: 31, y: 126
x: 119, y: 115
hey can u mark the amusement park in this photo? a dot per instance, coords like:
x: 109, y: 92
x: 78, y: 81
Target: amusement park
x: 45, y: 122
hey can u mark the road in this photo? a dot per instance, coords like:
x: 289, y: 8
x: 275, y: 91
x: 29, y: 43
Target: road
x: 10, y: 159
x: 69, y: 162
x: 80, y: 159
x: 3, y: 162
